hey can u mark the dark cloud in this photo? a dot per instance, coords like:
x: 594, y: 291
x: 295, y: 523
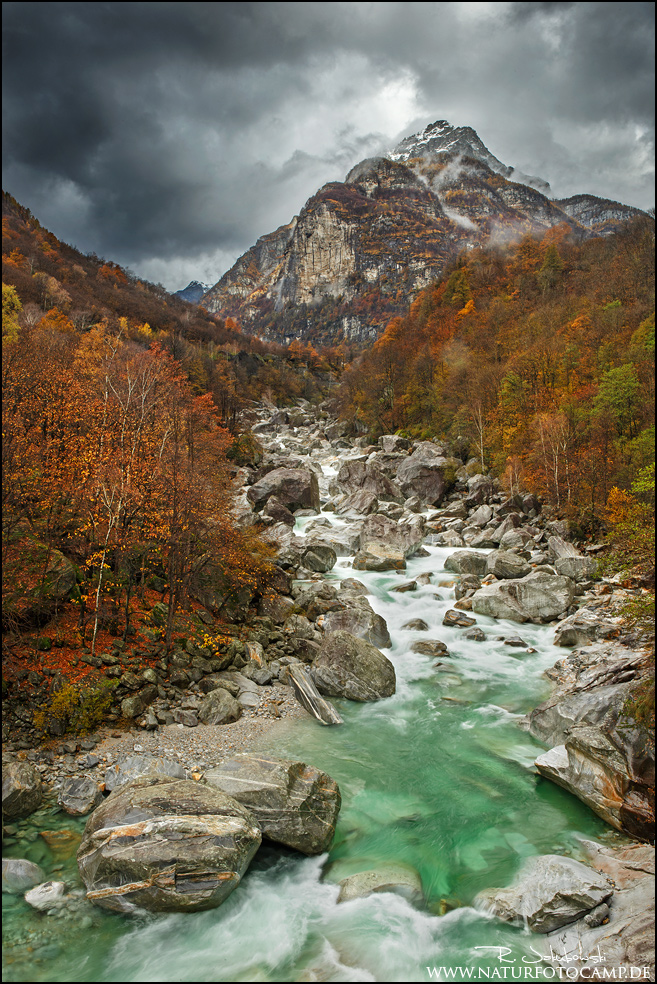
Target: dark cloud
x: 169, y: 136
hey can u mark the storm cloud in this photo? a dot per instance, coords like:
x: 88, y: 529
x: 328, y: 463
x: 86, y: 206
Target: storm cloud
x: 169, y: 136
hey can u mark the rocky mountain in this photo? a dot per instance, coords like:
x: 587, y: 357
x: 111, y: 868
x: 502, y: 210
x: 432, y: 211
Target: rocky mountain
x: 193, y: 292
x: 361, y: 249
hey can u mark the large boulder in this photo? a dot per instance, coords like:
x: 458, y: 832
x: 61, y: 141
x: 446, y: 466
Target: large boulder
x: 166, y: 845
x: 538, y: 597
x: 551, y: 891
x: 577, y: 568
x: 352, y: 668
x: 219, y: 708
x: 426, y: 473
x: 295, y: 488
x: 21, y: 790
x: 360, y: 503
x: 293, y: 803
x: 319, y: 557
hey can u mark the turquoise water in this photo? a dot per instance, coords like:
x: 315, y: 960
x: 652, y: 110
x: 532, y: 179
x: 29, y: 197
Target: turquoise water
x: 439, y: 777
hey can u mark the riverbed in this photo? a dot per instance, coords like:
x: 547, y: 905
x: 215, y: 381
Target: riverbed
x: 438, y: 779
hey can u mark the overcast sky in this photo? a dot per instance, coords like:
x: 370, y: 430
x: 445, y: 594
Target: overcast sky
x: 170, y: 136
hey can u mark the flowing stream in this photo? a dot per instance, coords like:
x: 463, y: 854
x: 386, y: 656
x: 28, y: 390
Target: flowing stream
x: 438, y: 777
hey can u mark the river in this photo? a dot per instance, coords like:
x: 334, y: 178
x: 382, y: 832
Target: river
x: 438, y: 777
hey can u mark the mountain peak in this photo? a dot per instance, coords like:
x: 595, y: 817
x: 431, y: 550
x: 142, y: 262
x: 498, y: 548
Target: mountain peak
x: 442, y: 137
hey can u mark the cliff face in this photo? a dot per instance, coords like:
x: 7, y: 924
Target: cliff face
x: 361, y: 249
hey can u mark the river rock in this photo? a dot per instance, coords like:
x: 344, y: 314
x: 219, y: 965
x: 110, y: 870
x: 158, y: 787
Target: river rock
x: 79, y: 796
x: 551, y: 891
x: 295, y: 488
x: 538, y: 597
x: 319, y: 557
x: 135, y: 766
x: 458, y: 620
x: 401, y: 879
x: 21, y: 790
x: 393, y: 442
x: 352, y: 668
x: 481, y: 516
x: 166, y: 845
x: 505, y: 565
x: 360, y: 503
x: 558, y: 548
x: 577, y: 568
x: 18, y: 875
x: 219, y: 708
x: 385, y: 544
x: 366, y: 476
x: 585, y: 626
x: 416, y: 624
x: 466, y: 562
x: 429, y: 647
x: 46, y: 896
x: 293, y: 803
x: 426, y: 473
x: 277, y: 511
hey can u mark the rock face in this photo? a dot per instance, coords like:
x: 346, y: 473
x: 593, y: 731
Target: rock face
x: 294, y: 488
x: 539, y: 597
x: 166, y: 845
x: 352, y: 668
x: 550, y: 892
x: 293, y: 803
x: 21, y: 790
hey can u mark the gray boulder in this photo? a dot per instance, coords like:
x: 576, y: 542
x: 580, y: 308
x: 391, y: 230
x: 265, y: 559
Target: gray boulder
x: 136, y: 766
x: 21, y: 790
x: 293, y: 803
x: 360, y: 621
x: 352, y: 668
x: 79, y: 796
x: 166, y: 845
x: 393, y: 442
x: 538, y: 597
x: 385, y: 544
x: 583, y: 627
x: 219, y: 708
x: 309, y: 696
x: 466, y: 562
x: 295, y: 488
x: 551, y: 891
